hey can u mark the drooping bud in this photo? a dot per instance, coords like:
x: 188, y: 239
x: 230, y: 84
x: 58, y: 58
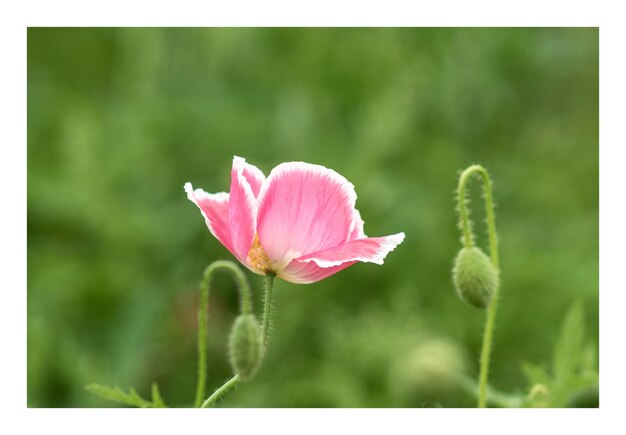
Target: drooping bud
x: 245, y: 347
x: 475, y: 278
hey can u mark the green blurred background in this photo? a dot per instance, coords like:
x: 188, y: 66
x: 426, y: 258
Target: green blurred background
x: 120, y: 119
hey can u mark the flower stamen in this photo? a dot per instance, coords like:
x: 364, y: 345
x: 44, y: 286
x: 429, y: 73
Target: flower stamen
x: 257, y: 258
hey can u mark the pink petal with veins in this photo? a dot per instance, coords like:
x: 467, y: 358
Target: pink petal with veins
x: 214, y: 208
x: 299, y: 272
x: 304, y: 208
x: 319, y: 265
x: 242, y: 210
x: 357, y: 230
x: 303, y: 214
x: 254, y: 176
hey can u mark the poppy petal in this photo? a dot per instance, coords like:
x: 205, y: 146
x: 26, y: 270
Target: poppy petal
x: 242, y: 211
x: 319, y: 265
x: 214, y: 208
x: 299, y: 272
x: 304, y: 208
x: 254, y: 176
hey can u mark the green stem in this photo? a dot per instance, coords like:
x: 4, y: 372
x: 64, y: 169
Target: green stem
x: 267, y: 313
x: 485, y: 353
x: 231, y: 383
x: 468, y: 239
x: 496, y: 398
x: 267, y: 309
x: 466, y: 227
x: 246, y: 308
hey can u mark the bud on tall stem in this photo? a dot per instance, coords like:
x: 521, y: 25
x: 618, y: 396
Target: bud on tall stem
x: 475, y: 275
x: 245, y: 346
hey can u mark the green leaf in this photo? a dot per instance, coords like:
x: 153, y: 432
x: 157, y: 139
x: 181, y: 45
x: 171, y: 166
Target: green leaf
x: 568, y: 354
x: 536, y: 374
x: 569, y: 348
x: 157, y: 400
x: 115, y: 394
x: 590, y: 358
x: 574, y: 372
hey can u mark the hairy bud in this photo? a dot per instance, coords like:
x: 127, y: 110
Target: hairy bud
x: 245, y: 347
x: 475, y: 278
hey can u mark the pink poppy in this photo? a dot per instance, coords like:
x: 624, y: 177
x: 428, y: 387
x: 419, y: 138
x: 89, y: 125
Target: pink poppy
x: 300, y: 222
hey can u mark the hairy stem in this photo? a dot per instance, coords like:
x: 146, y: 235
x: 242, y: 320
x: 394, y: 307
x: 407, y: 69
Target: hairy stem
x: 230, y: 384
x: 267, y: 309
x: 468, y: 240
x: 267, y: 313
x: 246, y: 308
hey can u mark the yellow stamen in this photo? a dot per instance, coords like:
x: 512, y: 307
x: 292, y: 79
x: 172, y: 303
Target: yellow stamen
x: 257, y: 258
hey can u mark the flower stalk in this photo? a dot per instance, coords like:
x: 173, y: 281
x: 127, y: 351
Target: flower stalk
x: 263, y: 222
x: 267, y: 312
x: 267, y: 309
x: 246, y: 308
x: 468, y: 243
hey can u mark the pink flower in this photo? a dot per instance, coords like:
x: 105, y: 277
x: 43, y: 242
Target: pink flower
x: 300, y: 222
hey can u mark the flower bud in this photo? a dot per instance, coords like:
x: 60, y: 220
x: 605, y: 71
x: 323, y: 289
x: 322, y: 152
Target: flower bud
x: 475, y: 278
x: 245, y: 347
x: 538, y: 397
x: 429, y: 371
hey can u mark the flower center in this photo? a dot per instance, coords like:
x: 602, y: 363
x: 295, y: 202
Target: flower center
x: 257, y: 258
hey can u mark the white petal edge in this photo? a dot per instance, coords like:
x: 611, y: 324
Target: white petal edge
x: 390, y: 243
x: 195, y: 195
x: 255, y: 172
x: 239, y: 163
x: 357, y: 228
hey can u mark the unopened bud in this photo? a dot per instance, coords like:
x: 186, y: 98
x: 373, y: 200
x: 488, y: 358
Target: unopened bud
x: 245, y: 347
x: 475, y: 278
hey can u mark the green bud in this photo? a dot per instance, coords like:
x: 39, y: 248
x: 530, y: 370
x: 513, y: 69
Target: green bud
x: 475, y: 277
x: 429, y: 371
x: 538, y: 397
x: 245, y: 347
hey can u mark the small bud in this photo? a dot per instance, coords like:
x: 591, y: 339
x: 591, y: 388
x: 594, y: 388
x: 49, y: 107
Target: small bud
x: 245, y: 347
x: 538, y: 396
x: 475, y: 277
x: 429, y: 370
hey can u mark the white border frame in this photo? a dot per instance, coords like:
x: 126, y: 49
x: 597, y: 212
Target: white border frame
x: 17, y: 17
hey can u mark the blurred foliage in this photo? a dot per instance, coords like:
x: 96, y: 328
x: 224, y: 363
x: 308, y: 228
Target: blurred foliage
x: 120, y: 119
x: 132, y: 398
x: 573, y: 379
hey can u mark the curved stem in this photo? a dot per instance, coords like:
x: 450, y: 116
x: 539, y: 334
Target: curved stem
x: 464, y: 221
x: 468, y: 239
x: 267, y: 313
x: 246, y: 308
x: 231, y: 383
